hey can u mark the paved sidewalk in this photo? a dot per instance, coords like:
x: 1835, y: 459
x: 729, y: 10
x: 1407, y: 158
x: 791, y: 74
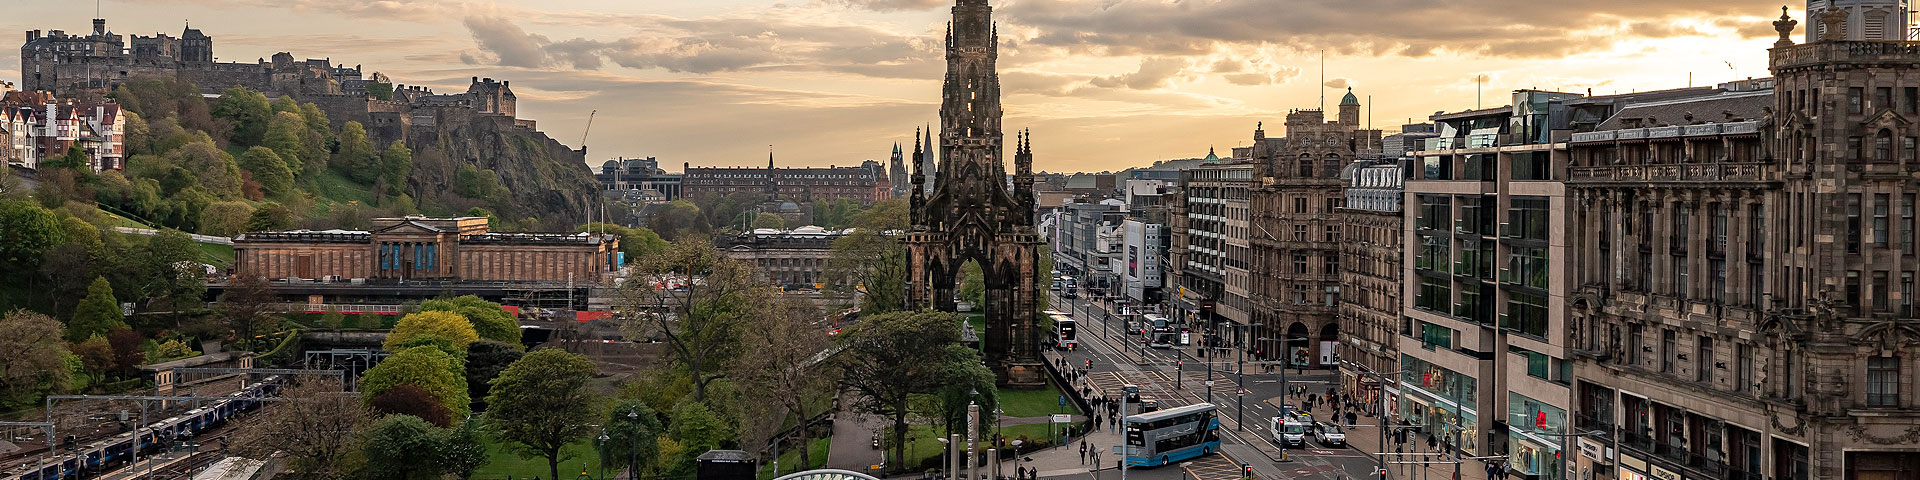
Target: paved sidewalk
x: 1065, y: 460
x: 1364, y: 437
x: 852, y: 443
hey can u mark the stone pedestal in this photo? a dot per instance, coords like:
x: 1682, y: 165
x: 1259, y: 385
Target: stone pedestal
x: 1025, y: 375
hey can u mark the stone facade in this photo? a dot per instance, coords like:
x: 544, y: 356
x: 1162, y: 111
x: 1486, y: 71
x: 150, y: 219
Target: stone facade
x: 866, y: 183
x: 791, y: 259
x: 1296, y: 234
x: 1210, y: 258
x: 40, y: 128
x: 1369, y: 310
x: 972, y: 214
x: 420, y: 248
x: 1745, y: 308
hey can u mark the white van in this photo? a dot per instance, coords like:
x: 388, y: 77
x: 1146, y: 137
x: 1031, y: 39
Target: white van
x: 1288, y: 431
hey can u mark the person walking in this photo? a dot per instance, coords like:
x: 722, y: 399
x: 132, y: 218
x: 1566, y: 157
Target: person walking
x: 1096, y: 459
x: 1083, y: 452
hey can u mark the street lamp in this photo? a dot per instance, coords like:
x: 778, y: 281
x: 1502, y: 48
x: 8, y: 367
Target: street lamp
x: 1384, y: 429
x: 633, y: 448
x: 603, y: 449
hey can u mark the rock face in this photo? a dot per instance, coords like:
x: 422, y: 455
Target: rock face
x: 544, y: 179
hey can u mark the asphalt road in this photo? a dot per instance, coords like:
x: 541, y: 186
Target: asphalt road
x: 1177, y: 376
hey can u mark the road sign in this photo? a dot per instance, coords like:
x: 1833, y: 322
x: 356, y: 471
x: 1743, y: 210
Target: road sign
x: 1209, y: 383
x: 1063, y: 400
x: 1062, y: 418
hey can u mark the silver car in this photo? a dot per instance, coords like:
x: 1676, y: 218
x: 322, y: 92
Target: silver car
x: 1330, y: 434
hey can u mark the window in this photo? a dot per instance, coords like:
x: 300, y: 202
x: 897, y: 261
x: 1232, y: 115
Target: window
x: 1300, y: 264
x: 1539, y: 365
x: 1882, y: 98
x: 1480, y: 166
x: 1475, y: 217
x: 1906, y: 223
x: 1635, y: 344
x: 1530, y: 166
x: 1436, y: 213
x: 1334, y: 204
x: 1433, y: 254
x: 1718, y: 268
x: 1854, y: 100
x: 1300, y: 205
x: 1527, y: 266
x: 1432, y: 336
x: 1883, y: 381
x: 1913, y: 99
x: 1299, y: 232
x: 1333, y: 233
x: 1880, y: 280
x: 1331, y: 265
x: 1718, y: 230
x: 1906, y: 293
x: 1883, y: 147
x: 1703, y: 361
x: 1667, y: 351
x: 1882, y: 203
x: 1527, y: 218
x: 1526, y: 313
x: 1854, y: 149
x: 1909, y: 149
x: 1435, y: 295
x: 1853, y: 289
x: 1306, y: 165
x: 1742, y: 367
x: 1853, y: 223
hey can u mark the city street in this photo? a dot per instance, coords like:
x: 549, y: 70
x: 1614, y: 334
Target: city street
x: 1174, y: 377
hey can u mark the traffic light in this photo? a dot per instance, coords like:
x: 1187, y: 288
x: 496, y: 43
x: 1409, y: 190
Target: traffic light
x: 1246, y: 470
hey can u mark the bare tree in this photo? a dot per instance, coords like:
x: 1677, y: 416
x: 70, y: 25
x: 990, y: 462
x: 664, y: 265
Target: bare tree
x: 248, y: 308
x: 315, y: 426
x: 698, y: 301
x: 786, y: 377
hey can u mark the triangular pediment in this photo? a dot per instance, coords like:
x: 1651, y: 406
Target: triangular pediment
x: 408, y: 226
x: 1888, y: 119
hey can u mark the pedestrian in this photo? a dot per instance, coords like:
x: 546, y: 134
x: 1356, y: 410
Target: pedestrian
x: 1096, y: 460
x: 1083, y: 453
x: 1432, y: 443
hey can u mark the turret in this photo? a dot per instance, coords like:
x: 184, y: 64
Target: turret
x: 1350, y: 109
x: 919, y: 196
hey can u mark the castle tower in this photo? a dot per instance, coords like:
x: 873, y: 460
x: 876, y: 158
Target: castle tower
x: 971, y: 214
x: 1350, y: 109
x: 1874, y: 20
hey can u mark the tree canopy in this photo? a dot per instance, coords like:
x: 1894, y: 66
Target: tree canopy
x: 427, y: 367
x: 444, y: 325
x: 702, y: 323
x: 541, y: 404
x: 35, y: 363
x: 98, y: 314
x: 489, y: 320
x: 891, y: 358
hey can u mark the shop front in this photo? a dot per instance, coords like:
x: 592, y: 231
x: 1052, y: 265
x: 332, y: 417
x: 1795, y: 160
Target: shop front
x: 1434, y: 398
x: 1536, y: 432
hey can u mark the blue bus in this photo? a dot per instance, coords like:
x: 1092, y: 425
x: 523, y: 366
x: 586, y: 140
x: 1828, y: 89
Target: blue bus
x: 1171, y: 435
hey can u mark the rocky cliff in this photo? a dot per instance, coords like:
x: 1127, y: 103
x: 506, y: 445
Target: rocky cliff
x: 544, y: 179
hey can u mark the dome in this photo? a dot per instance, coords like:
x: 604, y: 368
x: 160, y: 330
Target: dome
x: 1211, y: 158
x: 789, y: 206
x: 1350, y: 99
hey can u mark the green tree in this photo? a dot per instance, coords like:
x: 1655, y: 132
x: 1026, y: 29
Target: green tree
x: 885, y: 215
x: 890, y: 358
x: 380, y: 91
x: 676, y: 219
x: 357, y: 157
x: 396, y: 164
x: 489, y: 320
x: 269, y: 169
x: 172, y: 278
x: 411, y: 400
x: 225, y: 218
x: 632, y: 430
x: 270, y: 217
x: 405, y: 447
x: 445, y: 325
x: 873, y: 266
x: 973, y: 283
x: 485, y: 360
x: 96, y: 356
x: 285, y: 135
x: 478, y: 184
x: 696, y: 428
x: 780, y: 381
x: 27, y: 230
x: 769, y: 220
x: 637, y: 243
x: 285, y: 103
x: 247, y: 111
x: 426, y: 367
x: 98, y: 314
x: 35, y: 363
x: 541, y: 404
x: 701, y: 324
x: 316, y: 427
x: 211, y: 169
x: 75, y: 158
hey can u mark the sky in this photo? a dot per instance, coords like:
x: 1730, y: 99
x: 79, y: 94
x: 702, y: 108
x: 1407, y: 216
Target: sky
x: 1103, y: 84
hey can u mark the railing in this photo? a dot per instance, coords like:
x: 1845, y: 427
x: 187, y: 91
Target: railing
x: 1704, y: 464
x: 1672, y: 452
x: 1844, y: 51
x: 1636, y: 440
x: 1697, y: 172
x: 1736, y: 474
x: 342, y: 308
x: 1591, y: 423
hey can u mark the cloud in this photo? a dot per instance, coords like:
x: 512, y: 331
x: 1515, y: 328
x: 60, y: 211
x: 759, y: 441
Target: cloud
x: 1341, y: 83
x: 1154, y: 73
x: 893, y: 5
x: 1272, y: 76
x: 1413, y: 28
x: 709, y: 45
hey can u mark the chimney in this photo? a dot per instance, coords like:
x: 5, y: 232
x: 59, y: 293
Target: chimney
x: 476, y: 79
x: 99, y: 26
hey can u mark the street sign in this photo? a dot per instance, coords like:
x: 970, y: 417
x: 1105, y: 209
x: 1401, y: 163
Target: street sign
x: 1209, y: 383
x: 1062, y: 418
x: 1063, y: 400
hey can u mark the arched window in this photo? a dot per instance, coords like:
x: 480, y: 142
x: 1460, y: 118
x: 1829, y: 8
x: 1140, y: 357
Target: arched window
x: 1883, y: 146
x: 1306, y: 165
x: 1333, y: 165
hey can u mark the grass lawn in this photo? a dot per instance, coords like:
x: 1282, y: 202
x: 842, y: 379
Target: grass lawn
x: 790, y: 460
x: 502, y: 463
x: 1034, y: 403
x: 926, y: 443
x: 334, y: 186
x: 216, y: 254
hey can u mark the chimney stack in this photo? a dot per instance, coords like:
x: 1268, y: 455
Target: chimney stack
x: 99, y: 26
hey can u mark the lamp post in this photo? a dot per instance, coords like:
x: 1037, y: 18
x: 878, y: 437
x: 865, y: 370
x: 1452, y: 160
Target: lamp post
x: 603, y: 450
x: 1016, y: 456
x: 633, y: 448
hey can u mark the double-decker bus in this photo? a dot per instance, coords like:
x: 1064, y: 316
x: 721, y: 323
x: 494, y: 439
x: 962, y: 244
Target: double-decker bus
x: 1065, y: 332
x: 1171, y: 435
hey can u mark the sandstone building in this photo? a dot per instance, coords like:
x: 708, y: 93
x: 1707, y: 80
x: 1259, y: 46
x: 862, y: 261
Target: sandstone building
x: 1745, y: 280
x: 1370, y: 250
x: 866, y: 183
x: 444, y: 251
x: 1210, y: 259
x: 790, y: 259
x: 1296, y: 232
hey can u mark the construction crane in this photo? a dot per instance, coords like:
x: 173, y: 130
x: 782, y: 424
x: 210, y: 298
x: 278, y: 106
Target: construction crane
x: 583, y: 135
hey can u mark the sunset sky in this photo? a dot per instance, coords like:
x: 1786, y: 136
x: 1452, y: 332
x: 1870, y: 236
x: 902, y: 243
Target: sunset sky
x: 1103, y: 84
